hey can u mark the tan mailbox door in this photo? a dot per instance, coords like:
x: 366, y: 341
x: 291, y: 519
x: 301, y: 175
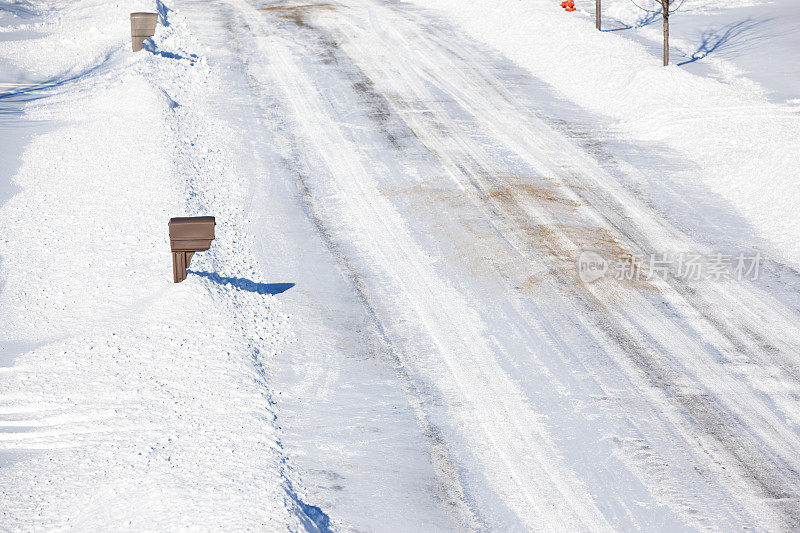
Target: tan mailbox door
x: 143, y: 26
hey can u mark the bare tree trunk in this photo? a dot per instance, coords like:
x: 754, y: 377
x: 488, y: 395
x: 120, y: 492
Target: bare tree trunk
x: 665, y: 13
x: 597, y: 14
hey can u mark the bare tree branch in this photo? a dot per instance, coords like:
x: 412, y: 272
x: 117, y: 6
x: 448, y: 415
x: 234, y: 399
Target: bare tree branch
x: 645, y: 9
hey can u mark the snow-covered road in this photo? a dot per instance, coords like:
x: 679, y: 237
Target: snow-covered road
x: 455, y: 193
x: 418, y: 205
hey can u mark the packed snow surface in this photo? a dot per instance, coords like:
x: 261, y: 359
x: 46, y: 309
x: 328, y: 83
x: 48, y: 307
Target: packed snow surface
x: 391, y: 331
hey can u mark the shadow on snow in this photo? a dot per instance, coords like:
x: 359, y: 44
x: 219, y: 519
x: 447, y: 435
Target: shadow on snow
x: 35, y: 91
x: 243, y: 284
x: 727, y: 38
x: 641, y: 23
x: 21, y: 9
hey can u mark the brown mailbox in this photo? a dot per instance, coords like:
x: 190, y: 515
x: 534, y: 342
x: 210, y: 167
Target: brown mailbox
x: 188, y: 235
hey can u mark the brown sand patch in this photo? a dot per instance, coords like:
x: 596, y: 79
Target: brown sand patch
x: 543, y: 220
x: 518, y: 188
x: 298, y: 13
x: 296, y: 8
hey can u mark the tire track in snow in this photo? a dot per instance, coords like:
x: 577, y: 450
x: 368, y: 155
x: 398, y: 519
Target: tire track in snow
x: 675, y: 344
x: 510, y: 440
x: 452, y: 493
x: 733, y: 438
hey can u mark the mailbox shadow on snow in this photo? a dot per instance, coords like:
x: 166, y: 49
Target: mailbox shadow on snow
x: 149, y: 46
x: 245, y: 284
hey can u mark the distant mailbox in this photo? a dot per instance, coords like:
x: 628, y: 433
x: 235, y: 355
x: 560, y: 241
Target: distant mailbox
x: 188, y: 235
x: 143, y: 26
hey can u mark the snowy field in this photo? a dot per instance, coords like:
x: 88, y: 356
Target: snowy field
x: 391, y: 331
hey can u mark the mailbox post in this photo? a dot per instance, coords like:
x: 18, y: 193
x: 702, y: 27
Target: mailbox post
x: 143, y: 26
x: 188, y: 235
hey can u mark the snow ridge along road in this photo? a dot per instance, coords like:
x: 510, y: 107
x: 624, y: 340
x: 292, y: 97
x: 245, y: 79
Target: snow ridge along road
x: 444, y: 367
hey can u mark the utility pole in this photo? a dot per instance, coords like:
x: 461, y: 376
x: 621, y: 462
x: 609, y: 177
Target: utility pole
x: 597, y: 14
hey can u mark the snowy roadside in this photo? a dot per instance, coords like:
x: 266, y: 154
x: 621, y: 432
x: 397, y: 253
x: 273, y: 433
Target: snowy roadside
x: 742, y: 144
x: 749, y: 43
x: 143, y: 404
